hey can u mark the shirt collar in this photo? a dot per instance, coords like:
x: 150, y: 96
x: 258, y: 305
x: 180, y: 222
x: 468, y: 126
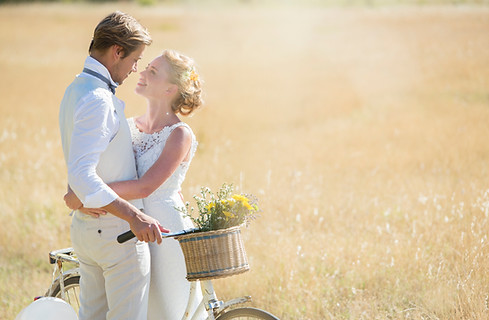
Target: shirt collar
x: 95, y: 65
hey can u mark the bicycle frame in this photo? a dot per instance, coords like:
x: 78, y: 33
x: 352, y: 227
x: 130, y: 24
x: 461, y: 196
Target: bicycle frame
x: 210, y: 302
x: 57, y: 258
x: 213, y: 306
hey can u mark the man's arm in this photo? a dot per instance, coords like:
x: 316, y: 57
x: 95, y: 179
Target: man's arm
x: 143, y: 226
x: 94, y: 124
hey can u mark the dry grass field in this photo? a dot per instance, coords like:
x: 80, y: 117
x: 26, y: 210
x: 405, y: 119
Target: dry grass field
x: 363, y: 131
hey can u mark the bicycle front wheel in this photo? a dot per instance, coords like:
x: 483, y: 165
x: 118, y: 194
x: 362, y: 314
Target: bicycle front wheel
x: 247, y: 314
x: 72, y: 292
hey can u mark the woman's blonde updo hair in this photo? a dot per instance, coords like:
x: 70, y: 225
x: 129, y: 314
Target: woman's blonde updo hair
x: 183, y: 73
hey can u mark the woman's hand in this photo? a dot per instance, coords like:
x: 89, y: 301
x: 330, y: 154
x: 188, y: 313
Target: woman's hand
x: 94, y: 212
x: 72, y: 201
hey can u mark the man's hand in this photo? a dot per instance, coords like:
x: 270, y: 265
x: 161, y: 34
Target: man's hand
x: 146, y: 228
x: 72, y: 201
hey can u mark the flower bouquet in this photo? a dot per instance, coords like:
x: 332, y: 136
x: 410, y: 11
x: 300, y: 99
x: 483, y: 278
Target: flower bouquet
x: 215, y: 249
x: 223, y: 210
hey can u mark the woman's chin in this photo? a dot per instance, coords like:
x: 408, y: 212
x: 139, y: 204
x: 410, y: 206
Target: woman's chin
x: 139, y: 90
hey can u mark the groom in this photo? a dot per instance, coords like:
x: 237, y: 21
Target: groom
x: 97, y: 149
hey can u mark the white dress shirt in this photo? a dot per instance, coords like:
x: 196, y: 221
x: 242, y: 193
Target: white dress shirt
x: 90, y: 118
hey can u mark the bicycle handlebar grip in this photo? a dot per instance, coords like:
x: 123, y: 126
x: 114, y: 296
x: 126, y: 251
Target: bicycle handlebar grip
x: 126, y: 236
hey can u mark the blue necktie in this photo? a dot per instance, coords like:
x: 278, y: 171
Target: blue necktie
x: 101, y: 77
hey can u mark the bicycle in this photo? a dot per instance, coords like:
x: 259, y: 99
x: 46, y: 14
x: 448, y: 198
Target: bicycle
x: 65, y: 285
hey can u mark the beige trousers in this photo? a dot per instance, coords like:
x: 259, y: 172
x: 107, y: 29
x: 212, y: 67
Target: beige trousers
x: 115, y: 277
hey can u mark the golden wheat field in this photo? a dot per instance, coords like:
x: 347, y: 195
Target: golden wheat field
x: 363, y: 131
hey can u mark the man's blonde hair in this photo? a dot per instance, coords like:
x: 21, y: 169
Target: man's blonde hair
x: 120, y: 29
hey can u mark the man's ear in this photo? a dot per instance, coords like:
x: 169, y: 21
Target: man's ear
x: 117, y: 51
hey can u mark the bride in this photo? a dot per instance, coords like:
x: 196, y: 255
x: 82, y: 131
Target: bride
x: 164, y: 147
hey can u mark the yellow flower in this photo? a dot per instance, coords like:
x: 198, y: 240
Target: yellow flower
x: 228, y: 214
x: 228, y: 202
x: 244, y: 201
x: 210, y: 206
x: 247, y: 206
x: 240, y: 198
x: 194, y: 76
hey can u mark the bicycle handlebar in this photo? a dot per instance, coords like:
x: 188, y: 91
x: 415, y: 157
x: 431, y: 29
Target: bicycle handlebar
x: 128, y: 235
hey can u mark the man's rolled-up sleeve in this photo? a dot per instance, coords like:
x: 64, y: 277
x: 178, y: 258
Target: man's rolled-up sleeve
x: 92, y: 132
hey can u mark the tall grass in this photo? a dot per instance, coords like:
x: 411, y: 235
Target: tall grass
x: 362, y: 131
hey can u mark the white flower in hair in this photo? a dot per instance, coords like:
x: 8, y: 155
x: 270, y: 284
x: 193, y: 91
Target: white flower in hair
x: 190, y: 75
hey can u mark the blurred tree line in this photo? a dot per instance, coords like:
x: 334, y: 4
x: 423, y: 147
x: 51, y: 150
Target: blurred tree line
x: 316, y: 2
x: 142, y: 2
x: 73, y: 1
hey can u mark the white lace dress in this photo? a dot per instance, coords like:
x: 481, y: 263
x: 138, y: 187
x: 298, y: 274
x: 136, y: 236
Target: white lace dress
x: 169, y: 290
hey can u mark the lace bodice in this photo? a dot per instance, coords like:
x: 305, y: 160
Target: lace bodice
x: 148, y: 147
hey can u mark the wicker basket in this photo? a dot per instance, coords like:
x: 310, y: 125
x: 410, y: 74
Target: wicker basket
x: 214, y: 254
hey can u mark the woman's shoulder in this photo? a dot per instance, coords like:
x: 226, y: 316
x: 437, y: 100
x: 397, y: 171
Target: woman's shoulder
x: 182, y: 135
x: 181, y: 126
x: 181, y: 130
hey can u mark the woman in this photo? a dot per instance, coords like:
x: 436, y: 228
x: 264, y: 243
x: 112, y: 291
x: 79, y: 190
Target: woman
x: 164, y: 147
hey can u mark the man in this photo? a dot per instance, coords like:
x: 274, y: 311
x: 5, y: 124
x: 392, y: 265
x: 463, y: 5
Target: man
x: 97, y: 148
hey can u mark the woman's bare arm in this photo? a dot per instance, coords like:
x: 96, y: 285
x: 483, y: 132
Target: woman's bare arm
x: 176, y: 150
